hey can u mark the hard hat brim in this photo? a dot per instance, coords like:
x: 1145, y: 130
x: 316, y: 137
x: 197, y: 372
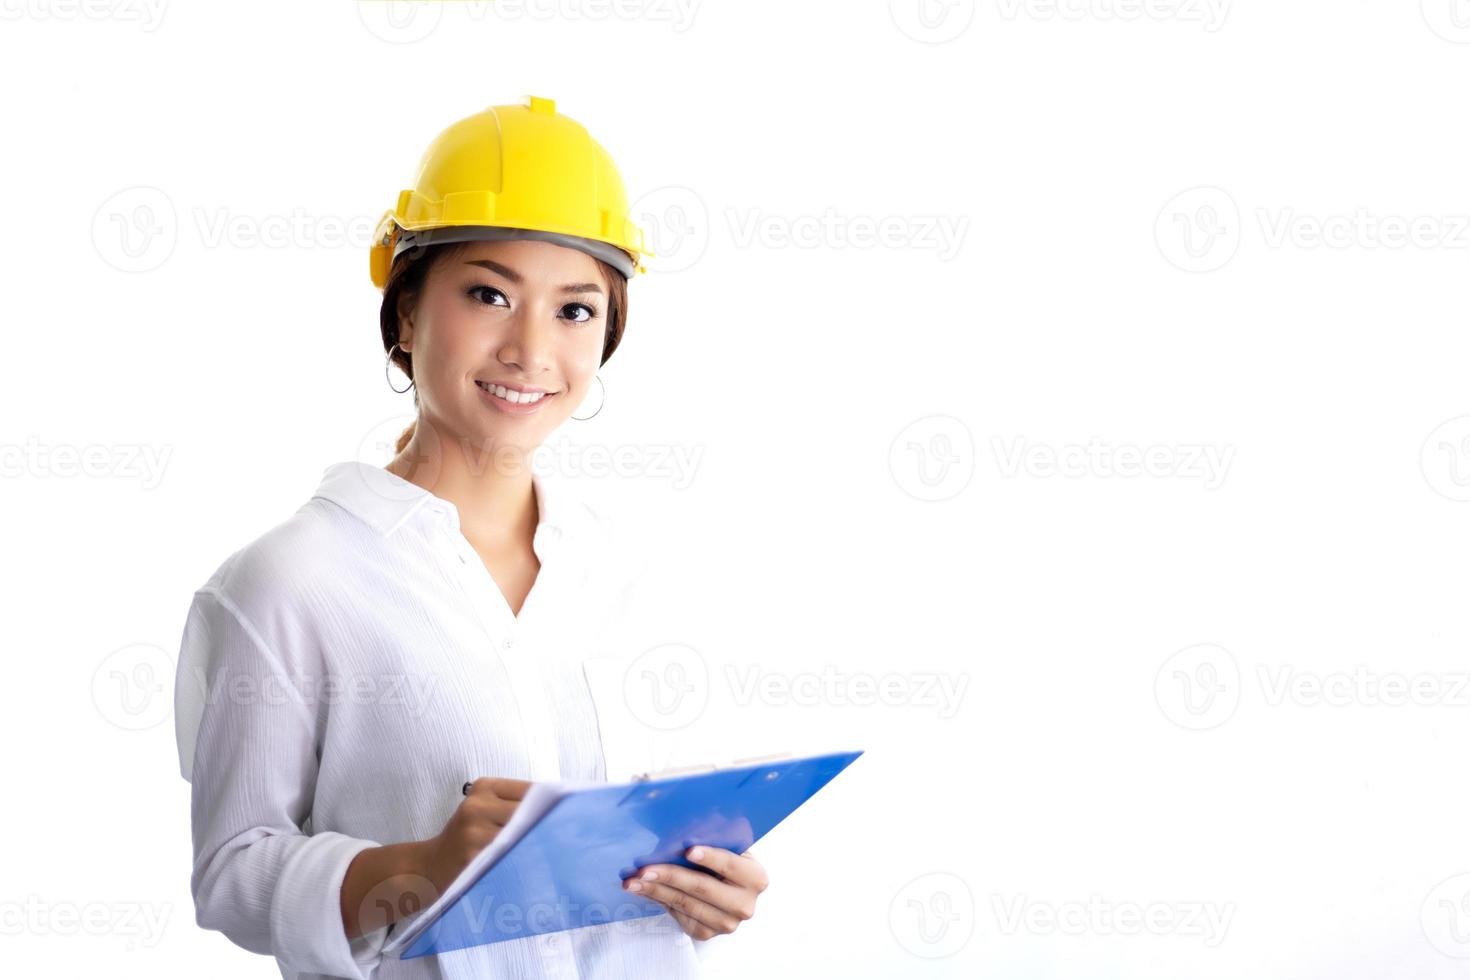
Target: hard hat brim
x: 607, y: 252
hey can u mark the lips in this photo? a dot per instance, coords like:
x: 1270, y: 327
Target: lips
x: 504, y: 404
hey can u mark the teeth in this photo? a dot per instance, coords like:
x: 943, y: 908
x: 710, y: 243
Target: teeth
x: 514, y: 397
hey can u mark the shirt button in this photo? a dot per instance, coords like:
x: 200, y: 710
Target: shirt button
x: 507, y: 643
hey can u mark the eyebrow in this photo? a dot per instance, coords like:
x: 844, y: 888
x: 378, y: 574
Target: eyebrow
x: 515, y: 277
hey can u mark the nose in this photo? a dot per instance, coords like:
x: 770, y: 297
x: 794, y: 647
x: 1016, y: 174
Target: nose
x: 527, y: 343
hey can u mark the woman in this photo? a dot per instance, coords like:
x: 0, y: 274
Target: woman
x: 367, y: 689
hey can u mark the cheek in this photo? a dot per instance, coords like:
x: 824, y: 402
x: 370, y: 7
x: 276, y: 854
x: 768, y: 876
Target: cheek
x: 452, y: 332
x: 584, y: 362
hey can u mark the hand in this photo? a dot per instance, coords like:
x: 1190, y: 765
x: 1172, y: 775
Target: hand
x: 476, y: 822
x: 704, y: 905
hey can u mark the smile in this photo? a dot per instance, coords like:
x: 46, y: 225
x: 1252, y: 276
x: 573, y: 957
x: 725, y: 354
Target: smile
x: 513, y: 396
x: 512, y: 401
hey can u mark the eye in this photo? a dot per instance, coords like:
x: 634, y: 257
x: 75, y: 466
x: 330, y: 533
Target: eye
x: 579, y: 312
x: 475, y: 291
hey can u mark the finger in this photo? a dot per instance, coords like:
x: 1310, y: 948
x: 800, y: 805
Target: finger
x: 739, y: 869
x: 706, y: 887
x: 490, y: 808
x: 675, y: 900
x: 713, y: 902
x: 500, y: 787
x: 692, y: 927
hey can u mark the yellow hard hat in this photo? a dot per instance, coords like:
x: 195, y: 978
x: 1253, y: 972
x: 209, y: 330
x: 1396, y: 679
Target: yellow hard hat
x: 514, y: 172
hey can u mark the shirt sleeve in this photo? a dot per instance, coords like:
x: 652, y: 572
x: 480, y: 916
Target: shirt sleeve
x: 248, y: 743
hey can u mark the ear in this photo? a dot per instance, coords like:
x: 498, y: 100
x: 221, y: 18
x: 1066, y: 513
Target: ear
x: 405, y: 322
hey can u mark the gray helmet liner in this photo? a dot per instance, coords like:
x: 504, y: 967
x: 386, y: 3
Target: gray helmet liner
x: 610, y: 254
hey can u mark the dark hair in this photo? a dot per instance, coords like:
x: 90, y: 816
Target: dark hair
x: 406, y: 280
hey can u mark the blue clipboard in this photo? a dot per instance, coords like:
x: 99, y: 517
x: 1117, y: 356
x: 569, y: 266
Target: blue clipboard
x: 567, y: 870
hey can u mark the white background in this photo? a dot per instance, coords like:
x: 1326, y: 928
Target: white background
x: 1228, y: 700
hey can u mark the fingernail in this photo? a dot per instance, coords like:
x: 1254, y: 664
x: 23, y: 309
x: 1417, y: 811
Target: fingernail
x: 696, y: 854
x: 635, y: 887
x: 649, y: 876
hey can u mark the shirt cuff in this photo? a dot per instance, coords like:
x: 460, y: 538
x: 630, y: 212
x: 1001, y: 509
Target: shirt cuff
x: 307, y: 934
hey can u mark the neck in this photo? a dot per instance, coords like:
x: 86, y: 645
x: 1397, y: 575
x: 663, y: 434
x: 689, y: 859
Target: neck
x: 492, y: 490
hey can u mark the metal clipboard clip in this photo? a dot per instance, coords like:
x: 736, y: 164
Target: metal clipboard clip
x: 712, y: 767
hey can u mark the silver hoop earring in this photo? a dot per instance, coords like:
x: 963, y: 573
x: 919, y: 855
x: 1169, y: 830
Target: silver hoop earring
x: 389, y: 363
x: 598, y: 378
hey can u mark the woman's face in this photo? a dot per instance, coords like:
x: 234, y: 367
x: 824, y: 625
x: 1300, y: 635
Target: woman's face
x: 526, y: 315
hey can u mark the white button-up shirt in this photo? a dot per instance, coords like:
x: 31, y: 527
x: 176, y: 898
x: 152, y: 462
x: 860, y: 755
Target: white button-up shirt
x: 343, y: 675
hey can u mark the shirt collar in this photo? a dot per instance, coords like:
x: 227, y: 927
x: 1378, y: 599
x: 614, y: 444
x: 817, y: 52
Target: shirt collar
x: 385, y: 501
